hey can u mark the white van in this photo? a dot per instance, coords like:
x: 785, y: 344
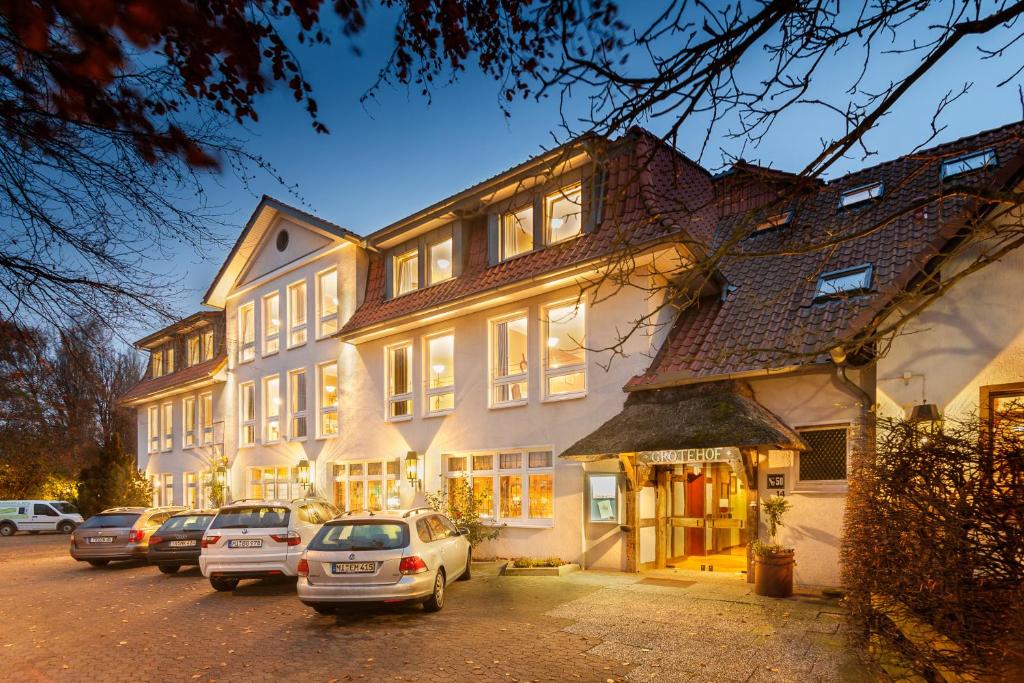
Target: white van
x: 37, y: 515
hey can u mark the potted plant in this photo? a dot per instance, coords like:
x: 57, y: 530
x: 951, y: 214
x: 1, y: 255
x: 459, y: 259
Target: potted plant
x: 773, y: 564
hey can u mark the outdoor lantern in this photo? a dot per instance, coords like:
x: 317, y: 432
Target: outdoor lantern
x: 926, y: 417
x: 221, y: 475
x: 303, y: 470
x: 412, y: 468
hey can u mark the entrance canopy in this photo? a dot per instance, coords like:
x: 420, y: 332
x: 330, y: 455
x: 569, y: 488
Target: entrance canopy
x: 713, y: 415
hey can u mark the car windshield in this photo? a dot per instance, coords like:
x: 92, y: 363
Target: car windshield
x: 252, y: 517
x: 362, y: 536
x: 187, y: 523
x: 111, y: 521
x: 66, y: 508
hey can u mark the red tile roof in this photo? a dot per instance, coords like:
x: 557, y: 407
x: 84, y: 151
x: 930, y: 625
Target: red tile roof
x: 179, y: 379
x: 770, y: 320
x: 644, y: 201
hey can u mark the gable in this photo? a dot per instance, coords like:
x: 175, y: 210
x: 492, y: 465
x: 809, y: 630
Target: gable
x: 298, y: 242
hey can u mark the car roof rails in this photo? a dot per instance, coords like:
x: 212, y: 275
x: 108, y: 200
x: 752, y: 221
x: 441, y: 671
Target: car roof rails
x: 413, y: 511
x: 368, y: 511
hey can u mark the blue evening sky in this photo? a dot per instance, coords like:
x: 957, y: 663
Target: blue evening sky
x: 385, y: 160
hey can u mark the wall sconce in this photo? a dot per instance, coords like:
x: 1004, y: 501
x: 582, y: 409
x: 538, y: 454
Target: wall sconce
x: 305, y: 474
x: 221, y: 475
x: 412, y: 469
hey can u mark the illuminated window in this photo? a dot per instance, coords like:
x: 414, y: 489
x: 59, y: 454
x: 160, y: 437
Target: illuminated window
x: 839, y: 283
x: 247, y: 401
x: 407, y: 272
x: 508, y: 361
x: 511, y: 486
x: 156, y: 363
x: 564, y: 351
x: 274, y: 483
x: 968, y: 163
x: 297, y: 399
x: 272, y: 408
x: 193, y: 491
x: 188, y: 410
x: 564, y: 214
x: 169, y: 360
x: 440, y: 368
x: 164, y: 490
x: 399, y: 381
x: 271, y: 323
x: 246, y: 332
x: 327, y: 302
x: 328, y: 395
x: 440, y: 255
x: 516, y: 233
x: 206, y: 417
x: 297, y: 313
x: 208, y: 345
x: 367, y: 485
x: 154, y: 429
x: 859, y: 195
x: 167, y: 425
x: 192, y: 349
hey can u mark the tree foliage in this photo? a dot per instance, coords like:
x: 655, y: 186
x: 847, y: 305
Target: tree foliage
x: 113, y: 481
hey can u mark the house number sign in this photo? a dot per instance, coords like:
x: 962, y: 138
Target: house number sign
x: 776, y: 481
x: 687, y: 455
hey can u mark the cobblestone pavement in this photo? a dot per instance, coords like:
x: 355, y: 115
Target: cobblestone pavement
x: 64, y: 621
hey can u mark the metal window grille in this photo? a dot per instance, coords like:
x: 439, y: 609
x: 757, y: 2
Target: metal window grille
x: 826, y: 461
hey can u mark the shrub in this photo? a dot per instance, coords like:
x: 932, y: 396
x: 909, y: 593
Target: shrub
x: 462, y: 506
x: 524, y: 562
x: 112, y: 482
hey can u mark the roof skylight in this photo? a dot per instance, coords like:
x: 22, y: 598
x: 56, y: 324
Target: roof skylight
x: 774, y: 221
x: 842, y: 282
x: 968, y: 163
x: 861, y: 194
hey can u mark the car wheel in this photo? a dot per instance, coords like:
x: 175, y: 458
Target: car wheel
x: 224, y: 585
x: 436, y: 600
x: 169, y: 568
x: 324, y: 608
x: 467, y: 575
x: 7, y: 529
x: 99, y: 563
x: 66, y: 527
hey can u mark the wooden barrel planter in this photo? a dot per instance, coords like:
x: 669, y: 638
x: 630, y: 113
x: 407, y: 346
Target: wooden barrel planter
x: 773, y: 574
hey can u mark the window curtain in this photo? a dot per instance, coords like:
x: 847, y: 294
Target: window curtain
x: 502, y: 350
x: 400, y: 373
x: 407, y: 274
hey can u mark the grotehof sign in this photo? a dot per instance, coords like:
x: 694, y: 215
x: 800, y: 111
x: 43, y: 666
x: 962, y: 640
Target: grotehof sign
x: 688, y: 455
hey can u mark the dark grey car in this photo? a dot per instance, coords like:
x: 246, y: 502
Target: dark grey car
x: 118, y: 534
x: 177, y: 542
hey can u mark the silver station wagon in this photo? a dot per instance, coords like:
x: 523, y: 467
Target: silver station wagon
x: 392, y: 556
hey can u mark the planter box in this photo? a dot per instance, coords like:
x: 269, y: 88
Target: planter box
x: 509, y: 570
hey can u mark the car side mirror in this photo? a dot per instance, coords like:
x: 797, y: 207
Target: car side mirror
x: 462, y: 531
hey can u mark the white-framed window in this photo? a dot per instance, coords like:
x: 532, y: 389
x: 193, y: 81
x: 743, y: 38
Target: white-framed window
x: 398, y: 366
x: 247, y: 402
x: 272, y: 408
x: 297, y: 313
x: 859, y: 195
x: 193, y: 491
x: 565, y: 355
x: 439, y: 258
x: 297, y: 403
x: 968, y: 163
x: 327, y: 302
x: 209, y: 346
x: 192, y: 350
x: 440, y: 369
x: 246, y: 332
x: 153, y: 428
x: 271, y: 323
x: 512, y: 486
x: 163, y: 490
x: 373, y: 485
x: 845, y: 282
x: 603, y: 497
x: 188, y: 428
x: 564, y: 214
x: 156, y: 363
x: 516, y: 233
x: 406, y: 268
x: 509, y: 348
x: 206, y: 417
x: 827, y: 461
x: 274, y: 483
x: 327, y: 390
x: 167, y: 425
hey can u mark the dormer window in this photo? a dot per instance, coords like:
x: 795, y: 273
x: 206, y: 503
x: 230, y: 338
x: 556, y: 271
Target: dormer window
x: 516, y: 233
x: 564, y: 213
x: 208, y: 345
x: 406, y: 269
x: 859, y: 195
x: 840, y: 283
x: 440, y: 254
x: 968, y: 163
x: 157, y: 363
x: 192, y: 350
x: 169, y: 360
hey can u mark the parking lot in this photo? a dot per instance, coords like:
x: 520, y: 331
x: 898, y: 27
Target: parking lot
x: 63, y: 620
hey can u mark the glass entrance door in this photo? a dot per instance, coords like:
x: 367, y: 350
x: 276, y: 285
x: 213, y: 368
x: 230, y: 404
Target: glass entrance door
x: 707, y: 517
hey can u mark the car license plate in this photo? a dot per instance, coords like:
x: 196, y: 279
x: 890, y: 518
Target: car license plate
x: 101, y: 539
x: 183, y: 544
x: 246, y: 543
x: 355, y: 567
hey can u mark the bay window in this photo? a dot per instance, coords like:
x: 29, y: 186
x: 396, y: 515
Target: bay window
x: 563, y: 211
x: 328, y: 389
x: 188, y: 409
x: 247, y: 401
x: 440, y: 374
x: 399, y: 381
x: 440, y: 259
x: 272, y: 408
x: 297, y: 403
x: 154, y: 429
x: 167, y: 425
x: 327, y: 302
x: 407, y: 272
x: 246, y: 332
x: 297, y: 313
x: 511, y: 486
x: 206, y: 417
x: 516, y: 236
x: 271, y: 323
x: 564, y: 351
x: 508, y: 361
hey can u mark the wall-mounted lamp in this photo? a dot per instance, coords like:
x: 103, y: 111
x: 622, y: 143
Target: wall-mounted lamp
x: 305, y: 474
x: 412, y: 469
x: 221, y: 475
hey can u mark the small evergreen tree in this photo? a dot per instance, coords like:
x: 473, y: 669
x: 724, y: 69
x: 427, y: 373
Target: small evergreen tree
x: 113, y: 481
